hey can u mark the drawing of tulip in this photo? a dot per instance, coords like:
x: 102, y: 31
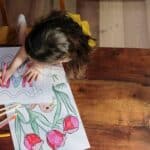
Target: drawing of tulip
x: 71, y: 124
x: 32, y: 142
x: 55, y: 139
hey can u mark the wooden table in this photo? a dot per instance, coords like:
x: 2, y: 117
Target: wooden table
x: 114, y: 100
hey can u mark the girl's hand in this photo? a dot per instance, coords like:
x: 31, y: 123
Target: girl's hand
x: 8, y: 74
x: 33, y: 72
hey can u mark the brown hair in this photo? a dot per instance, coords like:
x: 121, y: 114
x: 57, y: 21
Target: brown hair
x: 58, y: 36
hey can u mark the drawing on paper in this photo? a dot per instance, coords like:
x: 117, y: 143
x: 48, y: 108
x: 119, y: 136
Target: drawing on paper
x: 16, y: 82
x: 62, y: 121
x: 53, y: 125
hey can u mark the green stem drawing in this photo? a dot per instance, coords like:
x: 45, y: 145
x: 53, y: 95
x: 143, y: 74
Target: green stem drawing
x: 38, y: 120
x: 64, y: 98
x: 58, y: 109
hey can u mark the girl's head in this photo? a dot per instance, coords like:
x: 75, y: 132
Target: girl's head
x: 58, y: 38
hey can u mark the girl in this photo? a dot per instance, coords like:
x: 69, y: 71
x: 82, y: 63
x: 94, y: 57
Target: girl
x: 60, y: 37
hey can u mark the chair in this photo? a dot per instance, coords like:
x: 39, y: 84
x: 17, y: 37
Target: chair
x: 9, y: 34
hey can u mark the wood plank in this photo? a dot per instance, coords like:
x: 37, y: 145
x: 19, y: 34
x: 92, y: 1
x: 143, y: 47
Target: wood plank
x: 124, y: 23
x: 111, y: 24
x: 135, y: 24
x: 118, y: 138
x: 120, y: 64
x: 115, y: 114
x: 112, y: 103
x: 147, y: 6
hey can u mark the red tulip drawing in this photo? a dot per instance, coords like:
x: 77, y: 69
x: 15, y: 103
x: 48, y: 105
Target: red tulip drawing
x: 32, y: 142
x: 71, y: 124
x: 55, y: 139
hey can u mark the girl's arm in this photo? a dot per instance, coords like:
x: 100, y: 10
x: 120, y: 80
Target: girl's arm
x: 20, y: 57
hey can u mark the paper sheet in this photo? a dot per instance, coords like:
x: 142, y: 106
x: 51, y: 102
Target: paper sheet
x: 48, y: 126
x: 40, y: 91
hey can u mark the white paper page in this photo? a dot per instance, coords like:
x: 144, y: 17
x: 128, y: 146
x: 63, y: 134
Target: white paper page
x: 72, y: 141
x: 59, y: 117
x: 41, y: 119
x: 36, y: 93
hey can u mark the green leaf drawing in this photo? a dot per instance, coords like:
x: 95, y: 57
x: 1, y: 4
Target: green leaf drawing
x: 18, y: 132
x: 54, y: 77
x: 60, y: 86
x: 64, y: 98
x: 40, y: 117
x: 60, y: 121
x: 20, y: 116
x: 58, y: 112
x: 35, y: 127
x: 58, y: 127
x: 67, y: 102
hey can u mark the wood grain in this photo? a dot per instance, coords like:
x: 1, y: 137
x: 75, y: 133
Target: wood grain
x: 147, y: 5
x: 116, y: 115
x: 135, y: 24
x: 124, y: 23
x: 112, y: 103
x: 122, y: 64
x: 3, y: 13
x: 118, y: 138
x: 111, y: 24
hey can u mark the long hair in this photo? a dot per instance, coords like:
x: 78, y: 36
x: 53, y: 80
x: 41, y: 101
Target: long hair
x: 56, y: 37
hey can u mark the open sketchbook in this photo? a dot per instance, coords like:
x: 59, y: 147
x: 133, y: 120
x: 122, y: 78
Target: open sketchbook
x: 53, y: 125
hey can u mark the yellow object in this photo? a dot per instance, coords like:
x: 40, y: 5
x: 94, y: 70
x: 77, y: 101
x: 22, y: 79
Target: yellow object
x: 3, y: 135
x: 91, y: 43
x: 85, y: 27
x: 75, y: 17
